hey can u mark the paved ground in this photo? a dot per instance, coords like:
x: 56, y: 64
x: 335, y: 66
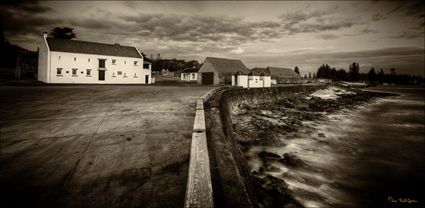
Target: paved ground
x: 95, y: 146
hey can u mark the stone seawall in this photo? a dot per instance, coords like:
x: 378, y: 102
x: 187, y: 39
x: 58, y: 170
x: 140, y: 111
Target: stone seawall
x: 232, y: 184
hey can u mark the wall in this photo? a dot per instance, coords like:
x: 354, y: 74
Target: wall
x: 234, y: 195
x: 43, y: 56
x: 207, y: 67
x: 193, y: 76
x: 254, y: 82
x: 246, y: 81
x: 267, y: 81
x: 66, y: 61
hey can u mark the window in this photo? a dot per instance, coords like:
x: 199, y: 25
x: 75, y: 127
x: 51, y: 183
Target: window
x: 74, y: 72
x: 88, y: 72
x: 75, y: 58
x: 135, y: 63
x: 59, y: 57
x: 59, y: 71
x: 135, y: 75
x: 125, y: 75
x: 113, y: 74
x: 146, y: 66
x: 114, y: 61
x: 125, y: 62
x: 102, y: 63
x: 119, y: 72
x: 89, y: 59
x: 193, y: 76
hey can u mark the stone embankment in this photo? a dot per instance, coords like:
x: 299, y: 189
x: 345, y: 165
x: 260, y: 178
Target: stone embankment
x: 234, y: 185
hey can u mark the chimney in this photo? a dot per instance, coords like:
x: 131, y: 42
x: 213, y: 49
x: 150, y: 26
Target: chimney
x: 44, y: 34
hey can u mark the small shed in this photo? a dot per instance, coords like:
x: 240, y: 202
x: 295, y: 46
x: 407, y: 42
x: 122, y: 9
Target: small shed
x: 189, y: 74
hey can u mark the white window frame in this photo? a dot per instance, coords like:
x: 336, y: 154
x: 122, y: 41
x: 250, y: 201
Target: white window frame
x: 76, y: 72
x: 119, y: 72
x: 114, y: 62
x: 88, y: 72
x: 60, y: 72
x: 136, y: 63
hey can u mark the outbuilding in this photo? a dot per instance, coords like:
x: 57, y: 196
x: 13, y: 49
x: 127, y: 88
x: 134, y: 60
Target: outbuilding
x: 281, y: 75
x: 189, y: 74
x: 216, y: 71
x: 253, y: 79
x: 72, y: 61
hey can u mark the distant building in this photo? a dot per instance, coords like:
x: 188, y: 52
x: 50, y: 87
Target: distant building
x: 253, y: 79
x: 71, y: 61
x: 281, y: 75
x: 216, y: 71
x: 189, y: 74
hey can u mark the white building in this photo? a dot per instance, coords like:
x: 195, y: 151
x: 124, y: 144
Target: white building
x: 252, y: 79
x: 217, y: 71
x: 189, y: 74
x: 71, y: 61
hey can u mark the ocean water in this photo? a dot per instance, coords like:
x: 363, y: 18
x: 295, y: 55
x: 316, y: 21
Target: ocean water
x: 369, y: 156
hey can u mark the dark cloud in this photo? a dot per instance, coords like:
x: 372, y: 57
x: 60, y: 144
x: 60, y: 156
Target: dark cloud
x: 25, y: 18
x: 408, y: 35
x: 316, y: 21
x: 379, y: 16
x: 185, y: 28
x: 414, y: 8
x: 328, y: 36
x: 403, y: 59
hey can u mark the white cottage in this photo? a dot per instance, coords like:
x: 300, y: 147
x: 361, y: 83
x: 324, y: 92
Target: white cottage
x: 72, y: 61
x: 189, y: 74
x: 253, y: 79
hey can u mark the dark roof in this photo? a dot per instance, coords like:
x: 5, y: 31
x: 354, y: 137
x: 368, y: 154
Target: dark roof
x: 260, y: 71
x: 223, y: 65
x: 286, y: 72
x: 190, y: 70
x: 76, y: 46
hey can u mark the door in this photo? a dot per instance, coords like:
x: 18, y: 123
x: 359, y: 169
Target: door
x: 147, y: 79
x: 208, y: 78
x: 101, y: 75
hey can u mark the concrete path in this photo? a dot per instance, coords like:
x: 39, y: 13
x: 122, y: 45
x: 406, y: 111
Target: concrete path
x: 95, y: 146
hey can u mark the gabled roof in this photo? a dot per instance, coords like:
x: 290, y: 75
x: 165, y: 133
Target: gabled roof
x: 223, y: 65
x: 261, y: 71
x: 190, y: 70
x: 76, y: 46
x: 286, y: 72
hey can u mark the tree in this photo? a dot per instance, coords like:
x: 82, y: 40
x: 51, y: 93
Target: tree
x: 371, y: 76
x: 354, y: 71
x: 392, y: 75
x: 309, y: 75
x: 381, y: 75
x: 341, y: 74
x: 297, y: 70
x: 63, y: 33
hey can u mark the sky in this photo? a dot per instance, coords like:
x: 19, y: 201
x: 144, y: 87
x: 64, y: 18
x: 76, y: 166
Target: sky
x: 307, y: 34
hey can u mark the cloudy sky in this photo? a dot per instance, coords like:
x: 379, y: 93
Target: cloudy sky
x: 382, y: 34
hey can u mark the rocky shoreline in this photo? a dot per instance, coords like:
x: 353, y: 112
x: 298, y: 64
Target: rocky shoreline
x: 268, y: 123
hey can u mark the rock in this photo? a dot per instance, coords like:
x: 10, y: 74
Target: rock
x: 268, y: 155
x: 322, y: 135
x: 291, y: 160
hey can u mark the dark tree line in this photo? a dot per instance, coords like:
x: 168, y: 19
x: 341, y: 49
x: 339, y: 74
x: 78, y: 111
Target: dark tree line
x: 373, y: 76
x: 173, y: 64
